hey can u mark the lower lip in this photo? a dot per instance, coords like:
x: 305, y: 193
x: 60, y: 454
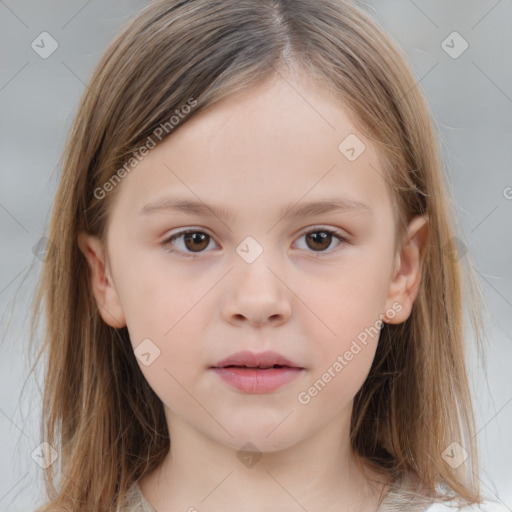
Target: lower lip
x: 252, y: 380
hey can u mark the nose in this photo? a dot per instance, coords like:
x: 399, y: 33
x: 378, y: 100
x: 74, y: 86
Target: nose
x: 257, y: 295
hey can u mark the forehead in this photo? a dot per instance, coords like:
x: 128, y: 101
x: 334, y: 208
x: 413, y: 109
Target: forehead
x: 278, y: 142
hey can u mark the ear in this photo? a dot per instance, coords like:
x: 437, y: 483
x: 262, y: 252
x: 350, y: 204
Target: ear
x: 406, y: 278
x: 102, y: 284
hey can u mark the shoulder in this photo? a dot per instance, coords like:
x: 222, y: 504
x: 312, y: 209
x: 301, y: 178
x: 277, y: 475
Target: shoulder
x: 487, y: 506
x: 406, y: 495
x: 135, y: 500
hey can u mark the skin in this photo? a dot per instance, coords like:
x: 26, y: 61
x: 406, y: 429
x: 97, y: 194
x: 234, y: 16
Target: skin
x: 255, y: 153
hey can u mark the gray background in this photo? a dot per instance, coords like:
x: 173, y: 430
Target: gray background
x: 471, y: 100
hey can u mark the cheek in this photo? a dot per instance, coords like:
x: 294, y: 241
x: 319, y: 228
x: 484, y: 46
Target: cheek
x: 345, y: 303
x: 162, y: 322
x: 156, y: 299
x: 177, y: 355
x: 345, y: 318
x: 337, y: 378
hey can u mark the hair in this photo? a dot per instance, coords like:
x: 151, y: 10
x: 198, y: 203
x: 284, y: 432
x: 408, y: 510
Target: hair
x: 416, y: 399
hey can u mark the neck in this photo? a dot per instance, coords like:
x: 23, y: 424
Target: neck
x: 202, y: 474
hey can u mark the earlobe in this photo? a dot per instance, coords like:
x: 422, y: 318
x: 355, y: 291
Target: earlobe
x: 407, y: 272
x: 103, y: 289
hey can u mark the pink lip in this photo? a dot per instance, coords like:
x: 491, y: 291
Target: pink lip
x: 251, y: 359
x: 253, y: 380
x: 253, y: 373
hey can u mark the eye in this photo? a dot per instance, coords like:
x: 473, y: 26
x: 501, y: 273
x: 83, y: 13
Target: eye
x: 194, y: 241
x: 320, y: 239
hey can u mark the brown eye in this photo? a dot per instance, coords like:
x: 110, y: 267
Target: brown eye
x: 196, y: 241
x: 319, y: 240
x: 188, y: 243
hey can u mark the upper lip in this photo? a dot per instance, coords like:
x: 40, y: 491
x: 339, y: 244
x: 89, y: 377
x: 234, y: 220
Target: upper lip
x: 253, y: 360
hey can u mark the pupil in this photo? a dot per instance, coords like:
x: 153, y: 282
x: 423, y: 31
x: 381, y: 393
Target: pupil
x: 321, y: 237
x: 198, y: 241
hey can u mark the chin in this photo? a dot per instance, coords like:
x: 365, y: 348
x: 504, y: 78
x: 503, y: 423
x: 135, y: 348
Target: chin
x: 264, y: 437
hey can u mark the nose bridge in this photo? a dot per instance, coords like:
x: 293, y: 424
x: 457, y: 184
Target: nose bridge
x: 255, y: 273
x: 256, y: 292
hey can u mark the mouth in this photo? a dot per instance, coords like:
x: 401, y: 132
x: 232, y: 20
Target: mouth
x: 257, y: 373
x: 257, y: 367
x: 263, y: 361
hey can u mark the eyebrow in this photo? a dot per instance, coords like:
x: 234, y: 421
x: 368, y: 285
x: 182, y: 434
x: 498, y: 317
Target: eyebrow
x: 294, y: 210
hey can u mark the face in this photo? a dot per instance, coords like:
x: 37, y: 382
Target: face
x: 261, y: 269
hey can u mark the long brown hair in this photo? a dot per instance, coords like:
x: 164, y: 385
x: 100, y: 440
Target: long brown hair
x: 99, y: 412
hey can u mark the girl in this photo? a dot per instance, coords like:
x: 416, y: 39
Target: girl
x: 254, y: 298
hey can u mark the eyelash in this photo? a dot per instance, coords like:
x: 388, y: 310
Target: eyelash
x: 168, y: 247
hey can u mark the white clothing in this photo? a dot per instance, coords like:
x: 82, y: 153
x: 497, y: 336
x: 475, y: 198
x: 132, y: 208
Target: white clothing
x: 138, y: 503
